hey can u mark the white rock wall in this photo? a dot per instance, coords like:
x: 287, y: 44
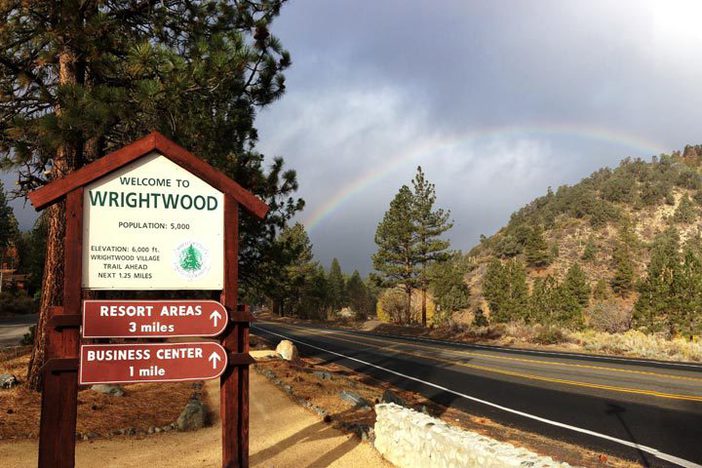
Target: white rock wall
x: 407, y: 439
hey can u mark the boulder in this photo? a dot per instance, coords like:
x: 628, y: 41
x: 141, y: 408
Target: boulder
x: 357, y: 400
x: 347, y: 312
x: 108, y: 389
x: 323, y: 375
x: 287, y: 350
x: 390, y: 397
x: 192, y: 417
x: 8, y: 381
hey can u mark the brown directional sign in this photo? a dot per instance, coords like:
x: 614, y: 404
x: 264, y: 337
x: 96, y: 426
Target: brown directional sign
x: 151, y: 362
x: 133, y: 319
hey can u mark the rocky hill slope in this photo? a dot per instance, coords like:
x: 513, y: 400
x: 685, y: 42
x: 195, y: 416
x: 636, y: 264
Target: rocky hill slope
x: 610, y: 225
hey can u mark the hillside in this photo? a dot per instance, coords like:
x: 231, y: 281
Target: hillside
x: 608, y: 224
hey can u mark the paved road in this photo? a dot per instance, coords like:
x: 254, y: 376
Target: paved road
x: 645, y: 410
x: 12, y: 329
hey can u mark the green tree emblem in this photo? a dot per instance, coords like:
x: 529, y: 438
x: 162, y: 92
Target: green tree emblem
x: 191, y: 259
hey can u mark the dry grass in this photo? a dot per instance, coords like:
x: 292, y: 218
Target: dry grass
x: 632, y: 343
x: 142, y: 406
x: 325, y: 393
x: 636, y: 344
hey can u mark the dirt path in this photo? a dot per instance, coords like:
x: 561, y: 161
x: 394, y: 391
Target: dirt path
x: 282, y: 434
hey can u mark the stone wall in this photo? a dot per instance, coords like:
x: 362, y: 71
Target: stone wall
x: 407, y: 438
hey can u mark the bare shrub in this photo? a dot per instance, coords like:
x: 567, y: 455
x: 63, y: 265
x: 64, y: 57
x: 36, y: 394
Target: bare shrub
x: 549, y: 335
x: 479, y: 318
x: 609, y: 317
x: 391, y: 305
x: 520, y: 330
x: 455, y: 328
x: 495, y: 332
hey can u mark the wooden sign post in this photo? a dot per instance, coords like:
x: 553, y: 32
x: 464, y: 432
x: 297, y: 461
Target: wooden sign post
x: 150, y: 216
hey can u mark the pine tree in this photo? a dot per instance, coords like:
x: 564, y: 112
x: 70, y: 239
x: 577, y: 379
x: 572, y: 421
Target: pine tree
x: 552, y: 303
x: 575, y: 283
x: 506, y: 291
x: 359, y: 296
x: 658, y: 292
x: 590, y: 250
x: 337, y: 286
x: 298, y: 268
x: 569, y: 308
x: 8, y: 223
x: 688, y: 320
x: 429, y: 224
x: 495, y: 286
x: 32, y: 250
x: 314, y: 299
x: 536, y: 249
x: 518, y: 292
x: 79, y: 79
x: 448, y: 287
x: 374, y: 291
x: 627, y: 244
x: 686, y: 212
x: 627, y: 235
x: 542, y: 304
x: 601, y: 290
x: 623, y: 280
x: 396, y: 258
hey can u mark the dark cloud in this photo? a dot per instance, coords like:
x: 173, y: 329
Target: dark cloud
x: 588, y: 83
x: 496, y: 100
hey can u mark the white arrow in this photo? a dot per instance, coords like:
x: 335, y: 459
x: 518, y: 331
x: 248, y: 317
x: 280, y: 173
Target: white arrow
x: 214, y: 357
x: 215, y: 316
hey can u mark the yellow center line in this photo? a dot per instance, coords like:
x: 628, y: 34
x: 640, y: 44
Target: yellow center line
x: 538, y: 361
x: 654, y: 393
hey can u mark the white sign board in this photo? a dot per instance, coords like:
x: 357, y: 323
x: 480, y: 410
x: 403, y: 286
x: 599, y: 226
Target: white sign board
x: 153, y: 225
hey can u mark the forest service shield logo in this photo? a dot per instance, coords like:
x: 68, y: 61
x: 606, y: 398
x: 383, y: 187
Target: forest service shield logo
x: 191, y: 260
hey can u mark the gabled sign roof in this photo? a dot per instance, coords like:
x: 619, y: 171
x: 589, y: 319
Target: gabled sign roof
x: 154, y: 142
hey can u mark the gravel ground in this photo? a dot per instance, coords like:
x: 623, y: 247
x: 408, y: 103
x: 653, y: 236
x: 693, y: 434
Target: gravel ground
x: 281, y: 434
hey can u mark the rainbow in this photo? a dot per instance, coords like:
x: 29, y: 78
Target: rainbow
x: 640, y: 146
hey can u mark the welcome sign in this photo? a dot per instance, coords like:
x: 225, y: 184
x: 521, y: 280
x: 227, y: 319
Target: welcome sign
x: 150, y: 215
x: 153, y: 225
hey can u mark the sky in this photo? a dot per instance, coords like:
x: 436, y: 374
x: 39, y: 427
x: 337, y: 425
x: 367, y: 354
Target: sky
x: 495, y: 100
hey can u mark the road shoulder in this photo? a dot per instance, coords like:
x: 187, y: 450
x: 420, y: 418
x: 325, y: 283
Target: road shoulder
x: 281, y: 434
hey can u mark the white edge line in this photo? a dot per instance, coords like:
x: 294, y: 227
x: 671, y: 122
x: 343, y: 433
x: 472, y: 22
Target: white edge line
x: 655, y: 452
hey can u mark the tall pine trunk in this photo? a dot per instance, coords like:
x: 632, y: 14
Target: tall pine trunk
x: 68, y: 158
x: 424, y: 291
x: 51, y: 289
x: 408, y: 308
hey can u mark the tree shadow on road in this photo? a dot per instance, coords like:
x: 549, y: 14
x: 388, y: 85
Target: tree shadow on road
x: 618, y: 411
